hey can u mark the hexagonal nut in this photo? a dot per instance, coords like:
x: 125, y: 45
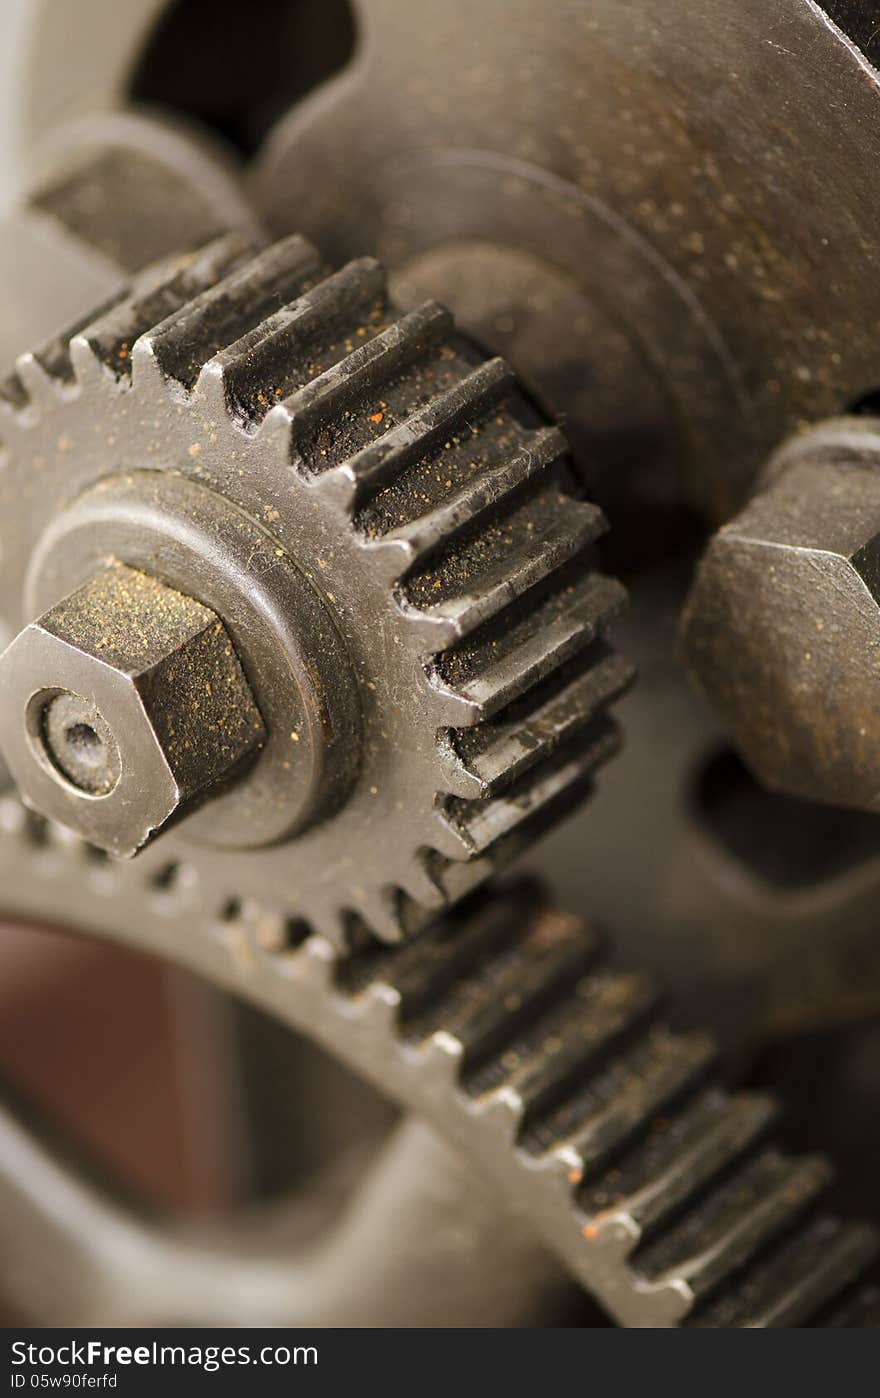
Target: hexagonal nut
x: 781, y: 630
x: 122, y: 707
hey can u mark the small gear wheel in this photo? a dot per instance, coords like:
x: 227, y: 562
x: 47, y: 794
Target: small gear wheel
x: 393, y: 539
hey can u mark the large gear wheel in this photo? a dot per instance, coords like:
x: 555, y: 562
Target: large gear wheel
x: 416, y: 685
x: 503, y: 1027
x: 394, y: 541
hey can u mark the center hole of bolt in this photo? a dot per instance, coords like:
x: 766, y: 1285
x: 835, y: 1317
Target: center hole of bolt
x: 76, y: 743
x: 85, y: 741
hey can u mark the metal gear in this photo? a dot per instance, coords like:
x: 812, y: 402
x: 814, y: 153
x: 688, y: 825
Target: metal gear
x: 392, y: 538
x: 502, y: 1026
x: 668, y: 198
x: 635, y: 252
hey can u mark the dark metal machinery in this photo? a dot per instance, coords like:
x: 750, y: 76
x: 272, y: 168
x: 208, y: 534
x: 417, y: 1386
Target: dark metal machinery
x: 305, y: 600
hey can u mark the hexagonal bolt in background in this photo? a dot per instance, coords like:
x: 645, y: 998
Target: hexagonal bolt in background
x: 122, y: 707
x: 782, y: 626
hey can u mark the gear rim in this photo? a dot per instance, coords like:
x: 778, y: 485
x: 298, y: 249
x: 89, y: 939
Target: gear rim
x: 405, y: 1018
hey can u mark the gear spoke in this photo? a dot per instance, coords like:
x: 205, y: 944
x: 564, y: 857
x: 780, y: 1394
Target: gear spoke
x: 69, y: 1250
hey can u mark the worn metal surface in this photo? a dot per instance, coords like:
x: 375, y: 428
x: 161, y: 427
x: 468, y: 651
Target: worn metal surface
x: 122, y: 706
x: 442, y: 554
x: 609, y: 1134
x: 782, y: 626
x: 662, y: 156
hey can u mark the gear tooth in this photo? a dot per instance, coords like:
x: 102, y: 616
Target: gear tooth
x: 273, y: 933
x: 562, y: 778
x: 267, y: 931
x: 88, y: 369
x: 408, y: 442
x: 335, y: 925
x: 274, y: 434
x: 33, y: 386
x: 336, y: 487
x: 427, y: 968
x: 501, y: 663
x: 575, y: 1037
x: 766, y: 1197
x: 326, y: 400
x: 547, y: 683
x: 476, y: 499
x: 166, y: 878
x: 474, y: 582
x: 508, y: 989
x: 695, y: 1205
x: 450, y: 845
x: 458, y: 869
x: 619, y: 1105
x: 240, y: 291
x: 503, y: 1112
x: 500, y: 750
x: 680, y: 1169
x: 109, y: 338
x: 789, y: 1287
x: 704, y: 1145
x: 421, y: 888
x: 297, y: 342
x: 14, y: 398
x: 383, y: 913
x: 317, y: 962
x: 440, y: 1061
x: 211, y: 388
x: 455, y: 776
x: 412, y: 915
x: 42, y: 375
x: 380, y: 1004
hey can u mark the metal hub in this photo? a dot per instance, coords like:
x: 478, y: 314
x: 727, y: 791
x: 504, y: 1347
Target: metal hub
x: 168, y: 713
x: 282, y: 638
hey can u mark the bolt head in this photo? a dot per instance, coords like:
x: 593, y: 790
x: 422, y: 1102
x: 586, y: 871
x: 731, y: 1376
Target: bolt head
x: 782, y: 630
x: 122, y: 707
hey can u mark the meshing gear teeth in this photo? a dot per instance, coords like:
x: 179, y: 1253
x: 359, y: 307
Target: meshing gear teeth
x: 436, y: 518
x: 501, y: 1023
